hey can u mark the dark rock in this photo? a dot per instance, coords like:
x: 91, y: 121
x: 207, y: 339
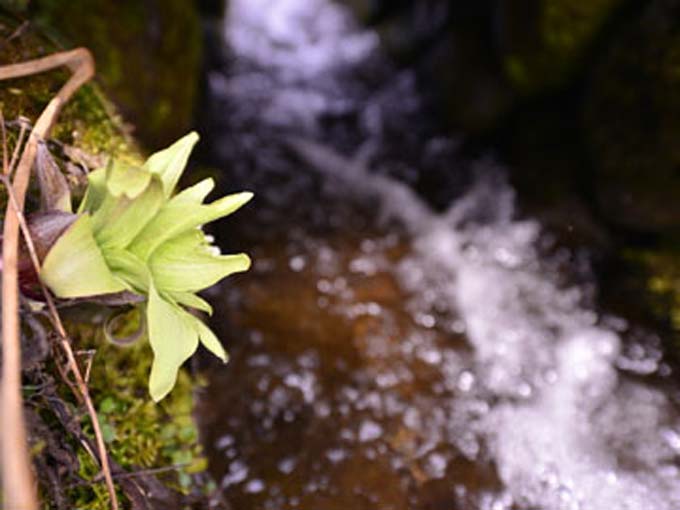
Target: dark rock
x: 632, y: 123
x: 463, y: 74
x: 543, y: 41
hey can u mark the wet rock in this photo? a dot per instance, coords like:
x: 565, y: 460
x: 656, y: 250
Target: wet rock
x: 212, y: 9
x: 657, y: 275
x: 632, y: 121
x: 452, y: 46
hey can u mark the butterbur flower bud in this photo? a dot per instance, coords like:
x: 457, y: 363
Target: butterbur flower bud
x: 131, y: 234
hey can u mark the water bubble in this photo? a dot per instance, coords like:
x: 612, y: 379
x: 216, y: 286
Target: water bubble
x: 297, y: 263
x: 436, y: 465
x: 672, y: 437
x: 364, y: 266
x: 224, y: 442
x: 386, y: 380
x: 304, y: 382
x: 425, y: 319
x: 336, y: 455
x: 524, y: 390
x: 286, y: 465
x: 254, y: 486
x: 322, y: 409
x: 347, y: 435
x: 238, y: 472
x: 259, y: 360
x: 431, y: 356
x: 458, y: 326
x: 369, y: 431
x: 466, y: 380
x: 324, y: 286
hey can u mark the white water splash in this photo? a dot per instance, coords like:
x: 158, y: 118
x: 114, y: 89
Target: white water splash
x: 303, y: 38
x: 286, y: 52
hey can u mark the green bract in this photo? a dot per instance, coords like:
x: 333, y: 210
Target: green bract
x: 132, y: 234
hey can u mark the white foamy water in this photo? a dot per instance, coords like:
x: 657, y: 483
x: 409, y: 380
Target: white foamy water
x: 297, y: 37
x: 564, y: 426
x: 567, y: 430
x: 284, y: 50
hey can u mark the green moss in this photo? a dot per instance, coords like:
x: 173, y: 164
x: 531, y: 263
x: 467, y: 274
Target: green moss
x: 92, y: 496
x: 139, y: 434
x: 90, y: 123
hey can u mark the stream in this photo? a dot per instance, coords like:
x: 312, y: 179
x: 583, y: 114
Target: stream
x: 404, y: 339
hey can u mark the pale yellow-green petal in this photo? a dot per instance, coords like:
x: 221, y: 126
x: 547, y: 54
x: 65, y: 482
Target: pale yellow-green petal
x: 180, y: 271
x: 121, y: 218
x: 173, y: 337
x: 175, y: 218
x: 169, y: 163
x: 75, y: 267
x: 128, y: 268
x: 195, y: 194
x: 128, y: 180
x: 95, y: 192
x: 210, y: 341
x: 191, y: 300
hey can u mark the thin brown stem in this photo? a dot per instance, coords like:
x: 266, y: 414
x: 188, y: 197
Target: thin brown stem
x: 89, y: 358
x: 17, y: 148
x: 5, y: 163
x: 17, y: 477
x: 151, y: 471
x: 19, y: 30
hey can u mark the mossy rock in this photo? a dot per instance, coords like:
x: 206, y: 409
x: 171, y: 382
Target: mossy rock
x: 663, y: 268
x: 87, y: 122
x: 148, y: 57
x: 632, y: 123
x: 651, y: 276
x: 543, y: 41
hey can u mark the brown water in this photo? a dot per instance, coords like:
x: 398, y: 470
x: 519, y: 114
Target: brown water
x: 332, y: 383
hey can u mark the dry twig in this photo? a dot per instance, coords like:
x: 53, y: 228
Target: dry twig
x: 18, y: 486
x: 17, y: 147
x: 5, y: 163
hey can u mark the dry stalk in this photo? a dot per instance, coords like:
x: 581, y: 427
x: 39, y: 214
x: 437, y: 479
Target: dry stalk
x: 15, y: 154
x: 17, y: 477
x: 5, y: 163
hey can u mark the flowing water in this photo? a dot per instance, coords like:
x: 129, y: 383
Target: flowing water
x: 396, y: 352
